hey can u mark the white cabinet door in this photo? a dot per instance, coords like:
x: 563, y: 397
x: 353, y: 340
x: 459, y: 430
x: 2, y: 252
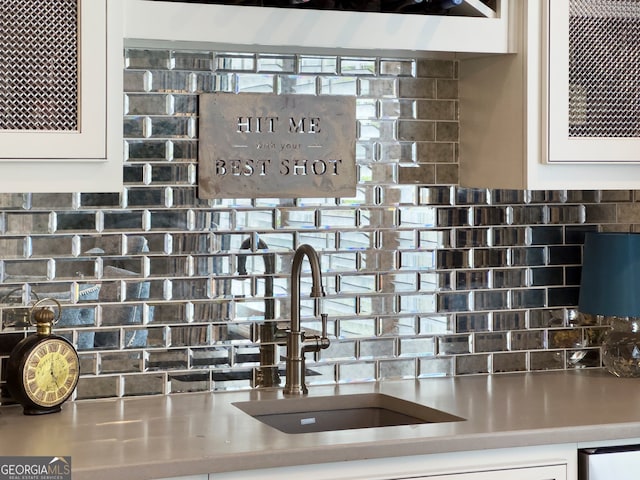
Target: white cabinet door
x: 550, y: 462
x: 552, y: 472
x: 61, y: 100
x: 188, y: 477
x: 594, y: 94
x: 547, y: 472
x: 514, y: 112
x: 56, y: 101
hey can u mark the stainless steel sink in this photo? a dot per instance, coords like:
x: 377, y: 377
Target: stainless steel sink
x: 341, y: 412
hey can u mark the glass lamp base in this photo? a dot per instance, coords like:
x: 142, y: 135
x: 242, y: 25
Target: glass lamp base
x: 621, y: 348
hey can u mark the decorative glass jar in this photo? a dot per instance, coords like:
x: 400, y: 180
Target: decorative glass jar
x: 621, y: 347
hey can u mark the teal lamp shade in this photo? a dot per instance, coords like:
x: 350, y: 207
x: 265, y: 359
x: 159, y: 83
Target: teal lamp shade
x: 610, y: 283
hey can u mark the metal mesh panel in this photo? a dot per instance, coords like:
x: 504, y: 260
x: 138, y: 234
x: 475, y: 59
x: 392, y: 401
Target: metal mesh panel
x: 39, y: 65
x: 604, y: 79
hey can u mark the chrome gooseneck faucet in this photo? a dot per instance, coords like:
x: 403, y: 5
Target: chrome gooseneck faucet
x: 297, y: 343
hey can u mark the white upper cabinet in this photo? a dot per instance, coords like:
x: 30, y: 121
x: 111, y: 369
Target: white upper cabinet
x: 61, y: 97
x: 594, y: 81
x: 474, y: 28
x: 562, y: 112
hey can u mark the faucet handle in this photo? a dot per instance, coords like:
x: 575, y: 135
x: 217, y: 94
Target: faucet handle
x: 323, y: 319
x: 322, y: 341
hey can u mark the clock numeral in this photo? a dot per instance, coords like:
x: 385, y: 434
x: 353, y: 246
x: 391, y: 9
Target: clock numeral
x: 39, y: 394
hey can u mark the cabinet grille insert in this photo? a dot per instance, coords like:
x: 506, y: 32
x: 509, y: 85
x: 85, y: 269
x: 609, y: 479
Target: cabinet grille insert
x: 39, y: 49
x: 604, y: 81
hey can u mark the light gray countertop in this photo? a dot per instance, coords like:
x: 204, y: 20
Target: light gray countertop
x: 163, y: 436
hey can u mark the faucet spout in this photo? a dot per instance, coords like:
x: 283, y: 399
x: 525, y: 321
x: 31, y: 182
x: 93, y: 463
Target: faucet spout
x: 316, y: 279
x: 297, y: 343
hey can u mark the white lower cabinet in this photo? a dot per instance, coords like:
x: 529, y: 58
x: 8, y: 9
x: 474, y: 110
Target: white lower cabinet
x: 549, y: 462
x: 551, y: 472
x: 188, y: 477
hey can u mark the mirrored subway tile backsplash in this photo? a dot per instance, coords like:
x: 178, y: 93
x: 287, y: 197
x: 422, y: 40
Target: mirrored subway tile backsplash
x: 165, y: 293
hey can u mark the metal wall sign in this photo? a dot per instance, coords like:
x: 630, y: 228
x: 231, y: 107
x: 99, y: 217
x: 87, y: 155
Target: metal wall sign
x: 254, y: 145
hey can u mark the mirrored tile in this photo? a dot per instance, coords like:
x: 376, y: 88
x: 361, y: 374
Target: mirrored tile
x: 26, y: 270
x: 452, y: 302
x: 435, y: 324
x: 359, y: 66
x: 21, y: 247
x: 566, y: 338
x: 510, y: 278
x: 147, y: 384
x: 417, y: 260
x: 297, y: 84
x: 146, y: 58
x: 509, y: 362
x: 351, y: 328
x: 472, y: 322
x: 356, y: 372
x: 322, y: 375
x: 98, y: 387
x: 232, y: 380
x: 378, y: 87
x: 120, y: 362
x: 317, y: 64
x: 397, y: 369
x: 330, y: 85
x: 436, y: 110
x: 472, y: 364
x: 397, y: 282
x: 417, y: 347
x: 211, y: 357
x: 189, y: 382
x: 547, y: 360
x: 235, y: 62
x: 490, y: 342
x: 531, y: 298
x: 510, y: 320
x: 526, y: 339
x: 454, y: 344
x: 190, y: 60
x: 16, y: 223
x: 398, y: 68
x: 140, y: 104
x: 167, y: 360
x: 258, y: 83
x: 435, y: 367
x: 472, y: 279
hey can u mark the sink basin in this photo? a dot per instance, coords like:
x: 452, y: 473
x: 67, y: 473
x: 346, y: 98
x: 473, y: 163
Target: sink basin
x: 341, y: 412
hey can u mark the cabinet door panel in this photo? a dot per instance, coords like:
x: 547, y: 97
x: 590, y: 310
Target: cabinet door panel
x: 54, y: 101
x: 85, y: 152
x: 594, y: 66
x: 552, y: 472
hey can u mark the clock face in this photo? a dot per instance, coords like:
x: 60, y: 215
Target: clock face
x: 50, y: 372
